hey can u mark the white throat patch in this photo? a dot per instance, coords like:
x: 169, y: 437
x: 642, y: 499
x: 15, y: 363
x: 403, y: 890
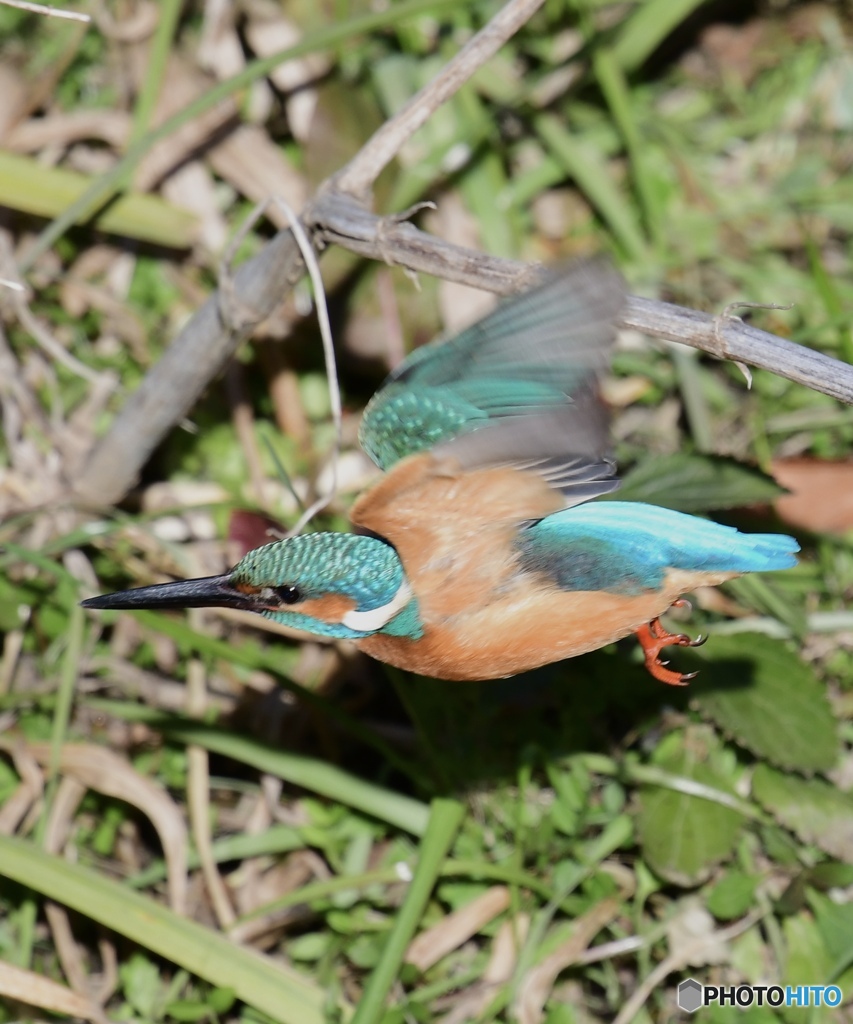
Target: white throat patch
x: 376, y: 618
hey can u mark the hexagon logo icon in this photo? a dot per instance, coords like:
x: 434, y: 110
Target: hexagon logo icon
x: 689, y: 995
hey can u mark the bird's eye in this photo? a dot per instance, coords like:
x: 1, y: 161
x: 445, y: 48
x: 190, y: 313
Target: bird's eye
x: 289, y: 595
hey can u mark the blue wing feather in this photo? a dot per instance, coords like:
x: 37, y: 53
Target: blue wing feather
x: 626, y: 547
x: 515, y: 389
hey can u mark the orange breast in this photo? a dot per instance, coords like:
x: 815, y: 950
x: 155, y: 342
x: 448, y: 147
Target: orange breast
x: 483, y: 618
x: 528, y: 627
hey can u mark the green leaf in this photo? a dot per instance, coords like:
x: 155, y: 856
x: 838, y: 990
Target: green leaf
x: 220, y: 1000
x: 141, y: 984
x: 732, y: 896
x: 717, y: 1014
x: 647, y: 27
x: 768, y: 700
x: 807, y: 962
x: 750, y: 957
x: 697, y: 483
x: 26, y: 184
x: 308, y: 948
x: 812, y: 809
x: 683, y: 836
x: 830, y: 875
x: 835, y: 924
x: 188, y: 1010
x: 762, y: 594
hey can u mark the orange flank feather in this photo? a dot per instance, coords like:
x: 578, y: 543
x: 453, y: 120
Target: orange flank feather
x: 482, y: 619
x: 526, y: 628
x: 328, y: 608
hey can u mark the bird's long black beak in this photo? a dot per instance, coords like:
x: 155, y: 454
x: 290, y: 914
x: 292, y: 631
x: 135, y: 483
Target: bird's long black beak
x: 207, y: 592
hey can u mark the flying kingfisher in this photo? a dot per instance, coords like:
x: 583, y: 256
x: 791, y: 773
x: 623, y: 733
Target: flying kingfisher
x: 479, y: 553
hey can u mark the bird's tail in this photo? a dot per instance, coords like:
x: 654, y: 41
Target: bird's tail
x: 759, y: 552
x: 687, y: 542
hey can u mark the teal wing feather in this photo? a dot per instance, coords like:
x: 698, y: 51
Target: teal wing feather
x: 626, y: 547
x: 516, y: 389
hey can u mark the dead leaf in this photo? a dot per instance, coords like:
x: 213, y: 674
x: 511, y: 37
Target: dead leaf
x: 181, y: 85
x: 473, y: 1002
x: 249, y: 161
x: 36, y: 990
x: 192, y: 188
x: 737, y: 51
x: 248, y: 530
x: 457, y: 928
x: 692, y: 933
x: 34, y: 135
x: 15, y: 808
x: 538, y: 982
x: 12, y: 99
x: 821, y: 498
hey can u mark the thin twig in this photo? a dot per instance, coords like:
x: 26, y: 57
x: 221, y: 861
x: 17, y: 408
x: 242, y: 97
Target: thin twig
x: 735, y: 340
x: 329, y: 354
x: 30, y: 322
x: 198, y: 795
x: 358, y: 176
x: 336, y: 219
x: 49, y: 12
x: 680, y: 959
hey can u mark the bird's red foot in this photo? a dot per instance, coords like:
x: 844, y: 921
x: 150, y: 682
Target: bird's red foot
x: 653, y: 638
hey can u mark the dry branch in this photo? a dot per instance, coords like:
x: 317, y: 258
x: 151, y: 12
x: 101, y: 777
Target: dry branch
x: 195, y: 358
x: 203, y: 346
x: 338, y: 220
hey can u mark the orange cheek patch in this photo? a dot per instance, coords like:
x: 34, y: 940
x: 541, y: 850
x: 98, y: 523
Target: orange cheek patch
x: 247, y: 588
x: 329, y: 608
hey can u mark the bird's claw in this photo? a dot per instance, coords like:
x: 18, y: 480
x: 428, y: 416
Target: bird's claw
x: 653, y: 638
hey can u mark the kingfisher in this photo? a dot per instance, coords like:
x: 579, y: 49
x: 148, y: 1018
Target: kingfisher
x: 481, y: 552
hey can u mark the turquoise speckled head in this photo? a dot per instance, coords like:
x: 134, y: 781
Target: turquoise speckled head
x: 315, y: 569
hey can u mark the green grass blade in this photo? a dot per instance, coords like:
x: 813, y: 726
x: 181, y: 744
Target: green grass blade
x: 316, y: 776
x: 27, y: 185
x: 155, y: 72
x: 273, y: 989
x: 592, y: 176
x: 444, y: 821
x: 647, y: 27
x: 618, y: 96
